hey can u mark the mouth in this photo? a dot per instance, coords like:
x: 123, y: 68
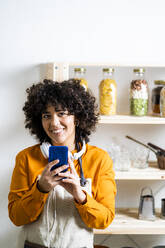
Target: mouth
x: 57, y: 131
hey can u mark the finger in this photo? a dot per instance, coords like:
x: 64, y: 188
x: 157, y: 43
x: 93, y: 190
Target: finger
x: 59, y: 169
x: 48, y: 167
x: 57, y: 182
x: 54, y: 162
x: 56, y: 178
x: 66, y: 174
x: 70, y: 181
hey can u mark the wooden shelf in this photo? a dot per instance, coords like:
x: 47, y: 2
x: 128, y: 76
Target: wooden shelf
x: 126, y: 222
x: 127, y: 119
x: 150, y: 173
x: 114, y: 64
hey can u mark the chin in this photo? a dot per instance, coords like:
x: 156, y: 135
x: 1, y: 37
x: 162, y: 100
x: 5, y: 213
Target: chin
x: 58, y: 142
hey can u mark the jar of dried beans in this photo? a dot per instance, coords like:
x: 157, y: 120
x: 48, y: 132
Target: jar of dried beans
x: 79, y: 73
x: 108, y: 92
x: 139, y: 93
x: 162, y: 102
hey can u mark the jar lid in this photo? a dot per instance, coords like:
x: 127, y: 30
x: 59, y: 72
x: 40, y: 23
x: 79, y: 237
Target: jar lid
x: 141, y: 70
x: 159, y: 82
x: 80, y: 69
x: 108, y: 69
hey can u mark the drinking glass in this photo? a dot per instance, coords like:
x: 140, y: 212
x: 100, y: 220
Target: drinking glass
x: 140, y: 157
x: 120, y: 157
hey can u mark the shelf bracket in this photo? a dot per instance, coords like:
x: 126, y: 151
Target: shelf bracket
x: 133, y: 241
x: 159, y: 190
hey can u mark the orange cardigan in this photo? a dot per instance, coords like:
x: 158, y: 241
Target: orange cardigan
x: 26, y: 202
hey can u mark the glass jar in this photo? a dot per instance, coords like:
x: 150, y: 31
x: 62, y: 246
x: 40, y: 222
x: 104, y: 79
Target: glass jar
x: 139, y: 93
x: 162, y: 102
x: 155, y: 100
x: 79, y: 73
x: 108, y: 93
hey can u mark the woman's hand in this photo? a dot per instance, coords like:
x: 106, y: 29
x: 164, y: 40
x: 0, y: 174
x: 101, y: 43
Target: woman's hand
x: 72, y: 183
x: 49, y: 179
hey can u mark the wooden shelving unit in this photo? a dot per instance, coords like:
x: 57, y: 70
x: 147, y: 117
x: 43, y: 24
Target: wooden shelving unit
x: 150, y: 173
x: 126, y: 222
x: 127, y: 119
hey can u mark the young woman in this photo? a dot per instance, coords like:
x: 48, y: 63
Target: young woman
x: 59, y: 209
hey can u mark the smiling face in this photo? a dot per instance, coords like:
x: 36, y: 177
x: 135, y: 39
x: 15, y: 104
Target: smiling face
x: 59, y: 125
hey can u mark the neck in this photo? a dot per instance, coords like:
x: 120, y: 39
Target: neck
x: 71, y: 146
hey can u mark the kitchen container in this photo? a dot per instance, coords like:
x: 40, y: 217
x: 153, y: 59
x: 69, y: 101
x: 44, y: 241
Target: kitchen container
x: 108, y: 93
x: 139, y: 93
x: 79, y: 73
x: 163, y: 208
x: 155, y: 99
x: 147, y: 205
x: 162, y: 102
x: 160, y: 154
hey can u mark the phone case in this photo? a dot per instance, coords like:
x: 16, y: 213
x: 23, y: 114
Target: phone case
x: 60, y: 153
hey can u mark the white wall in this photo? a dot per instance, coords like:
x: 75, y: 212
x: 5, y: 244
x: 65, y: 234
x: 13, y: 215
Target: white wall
x: 33, y: 33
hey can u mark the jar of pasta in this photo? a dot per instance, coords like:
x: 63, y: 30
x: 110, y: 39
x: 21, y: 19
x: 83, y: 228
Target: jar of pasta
x: 162, y: 102
x: 79, y: 73
x: 155, y: 101
x: 139, y: 93
x: 108, y: 92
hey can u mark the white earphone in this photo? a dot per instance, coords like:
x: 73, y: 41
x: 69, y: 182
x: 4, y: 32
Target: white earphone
x: 45, y: 151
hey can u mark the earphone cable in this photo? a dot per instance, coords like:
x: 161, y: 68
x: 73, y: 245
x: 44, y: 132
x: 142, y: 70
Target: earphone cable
x: 82, y: 180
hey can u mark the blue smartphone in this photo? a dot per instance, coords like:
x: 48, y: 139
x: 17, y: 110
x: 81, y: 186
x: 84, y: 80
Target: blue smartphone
x: 60, y: 153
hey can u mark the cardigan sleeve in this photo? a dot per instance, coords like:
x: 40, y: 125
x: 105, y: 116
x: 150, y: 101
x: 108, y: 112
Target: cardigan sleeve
x: 25, y: 201
x: 99, y: 211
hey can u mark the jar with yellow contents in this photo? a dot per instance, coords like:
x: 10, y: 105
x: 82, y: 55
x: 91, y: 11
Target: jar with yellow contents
x: 108, y: 93
x: 79, y: 73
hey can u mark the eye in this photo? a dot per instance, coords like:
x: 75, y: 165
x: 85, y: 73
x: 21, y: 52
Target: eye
x: 62, y: 113
x: 46, y: 116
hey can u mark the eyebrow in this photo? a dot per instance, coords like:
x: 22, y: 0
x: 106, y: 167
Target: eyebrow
x: 45, y: 112
x: 59, y: 110
x: 56, y: 110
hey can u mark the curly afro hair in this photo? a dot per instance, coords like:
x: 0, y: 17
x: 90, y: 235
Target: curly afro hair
x: 70, y: 96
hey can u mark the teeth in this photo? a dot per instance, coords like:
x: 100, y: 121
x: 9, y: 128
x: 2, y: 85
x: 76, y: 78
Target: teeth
x: 57, y: 131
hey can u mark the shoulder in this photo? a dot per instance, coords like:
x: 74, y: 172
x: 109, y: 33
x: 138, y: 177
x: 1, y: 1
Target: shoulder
x: 96, y: 151
x: 98, y: 159
x: 98, y: 156
x: 29, y: 151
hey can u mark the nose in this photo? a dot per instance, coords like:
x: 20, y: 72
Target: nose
x: 55, y: 121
